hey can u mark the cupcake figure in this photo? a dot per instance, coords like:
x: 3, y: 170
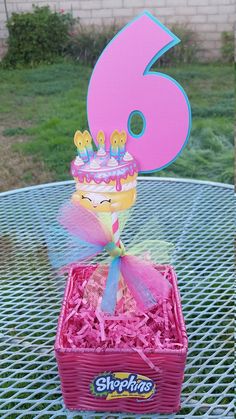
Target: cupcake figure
x: 105, y: 183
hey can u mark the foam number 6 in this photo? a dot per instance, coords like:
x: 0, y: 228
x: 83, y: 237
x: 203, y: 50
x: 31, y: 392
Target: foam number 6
x: 122, y: 85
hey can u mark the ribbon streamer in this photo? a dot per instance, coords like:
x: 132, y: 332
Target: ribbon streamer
x: 109, y: 297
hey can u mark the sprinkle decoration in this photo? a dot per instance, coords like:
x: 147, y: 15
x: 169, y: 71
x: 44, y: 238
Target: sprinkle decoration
x: 86, y: 326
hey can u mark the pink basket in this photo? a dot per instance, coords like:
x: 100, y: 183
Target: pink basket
x: 78, y: 367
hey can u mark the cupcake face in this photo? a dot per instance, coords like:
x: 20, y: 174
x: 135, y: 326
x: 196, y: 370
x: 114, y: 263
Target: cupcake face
x: 105, y: 202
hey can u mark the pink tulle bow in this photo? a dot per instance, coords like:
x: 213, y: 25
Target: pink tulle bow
x: 146, y: 284
x: 84, y: 224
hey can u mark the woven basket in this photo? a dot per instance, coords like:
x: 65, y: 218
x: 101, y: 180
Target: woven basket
x: 78, y: 367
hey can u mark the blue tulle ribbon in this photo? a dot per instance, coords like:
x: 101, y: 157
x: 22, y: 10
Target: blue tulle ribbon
x: 109, y: 296
x: 65, y: 249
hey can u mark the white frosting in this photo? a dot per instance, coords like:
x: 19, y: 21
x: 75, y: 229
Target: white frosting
x: 101, y: 152
x: 112, y: 162
x: 94, y: 165
x: 78, y: 161
x: 127, y: 157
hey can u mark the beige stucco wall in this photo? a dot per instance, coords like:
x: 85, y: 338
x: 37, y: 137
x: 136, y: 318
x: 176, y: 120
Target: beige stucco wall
x: 209, y: 18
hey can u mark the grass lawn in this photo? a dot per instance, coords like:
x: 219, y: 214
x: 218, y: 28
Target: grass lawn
x: 41, y: 108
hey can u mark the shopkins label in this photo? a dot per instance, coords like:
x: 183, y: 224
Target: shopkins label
x: 119, y: 385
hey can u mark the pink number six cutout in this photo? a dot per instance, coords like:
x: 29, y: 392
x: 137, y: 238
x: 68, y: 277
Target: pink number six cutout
x: 121, y: 85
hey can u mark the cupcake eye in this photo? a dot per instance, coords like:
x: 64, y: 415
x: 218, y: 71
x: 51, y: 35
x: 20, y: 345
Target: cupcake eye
x: 86, y: 197
x: 106, y: 200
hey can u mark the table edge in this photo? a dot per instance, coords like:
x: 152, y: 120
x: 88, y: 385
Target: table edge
x: 150, y: 178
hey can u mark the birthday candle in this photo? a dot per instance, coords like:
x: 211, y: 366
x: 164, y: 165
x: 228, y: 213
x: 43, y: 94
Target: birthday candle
x: 101, y: 144
x: 122, y: 144
x: 80, y: 144
x: 88, y: 144
x: 101, y: 140
x: 114, y: 148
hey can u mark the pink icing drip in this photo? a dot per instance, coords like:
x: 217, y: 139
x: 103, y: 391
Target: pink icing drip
x: 117, y: 178
x: 118, y: 184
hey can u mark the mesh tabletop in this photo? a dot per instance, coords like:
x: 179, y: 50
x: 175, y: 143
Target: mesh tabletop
x: 195, y: 218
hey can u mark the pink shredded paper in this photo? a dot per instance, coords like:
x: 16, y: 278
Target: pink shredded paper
x: 86, y: 326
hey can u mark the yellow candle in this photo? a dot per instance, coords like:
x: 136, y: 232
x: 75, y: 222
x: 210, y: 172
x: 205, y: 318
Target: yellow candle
x: 80, y: 144
x: 88, y: 144
x: 122, y: 143
x: 101, y: 139
x: 114, y: 148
